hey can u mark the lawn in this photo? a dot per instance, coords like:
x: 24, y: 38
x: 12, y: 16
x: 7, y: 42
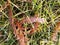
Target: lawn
x: 29, y: 22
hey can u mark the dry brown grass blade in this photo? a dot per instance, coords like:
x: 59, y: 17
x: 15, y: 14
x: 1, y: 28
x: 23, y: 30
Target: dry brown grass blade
x: 16, y: 31
x: 56, y: 30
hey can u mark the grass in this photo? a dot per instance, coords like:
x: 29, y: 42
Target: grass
x: 48, y: 9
